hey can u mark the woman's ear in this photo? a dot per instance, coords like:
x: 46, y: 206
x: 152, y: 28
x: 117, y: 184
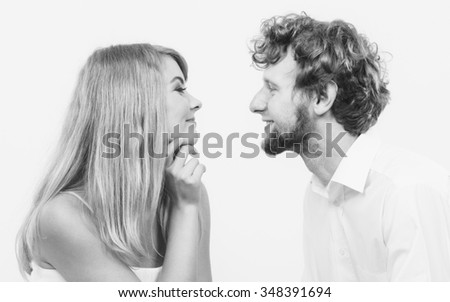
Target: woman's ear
x: 324, y: 103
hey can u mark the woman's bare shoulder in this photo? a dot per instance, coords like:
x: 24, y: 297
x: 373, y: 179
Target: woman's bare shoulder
x: 65, y: 213
x: 70, y: 243
x: 63, y: 223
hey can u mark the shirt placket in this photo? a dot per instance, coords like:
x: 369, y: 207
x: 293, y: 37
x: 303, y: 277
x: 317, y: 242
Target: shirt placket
x: 344, y: 266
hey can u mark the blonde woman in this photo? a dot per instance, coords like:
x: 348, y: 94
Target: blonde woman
x: 126, y: 215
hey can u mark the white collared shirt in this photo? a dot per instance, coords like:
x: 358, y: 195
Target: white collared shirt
x: 384, y: 216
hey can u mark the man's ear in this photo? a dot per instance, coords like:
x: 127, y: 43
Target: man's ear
x: 322, y: 104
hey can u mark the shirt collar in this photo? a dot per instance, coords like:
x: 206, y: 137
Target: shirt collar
x: 353, y: 169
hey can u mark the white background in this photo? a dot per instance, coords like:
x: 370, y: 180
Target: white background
x: 255, y: 204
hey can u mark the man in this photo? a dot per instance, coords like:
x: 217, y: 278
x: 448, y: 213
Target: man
x: 371, y: 212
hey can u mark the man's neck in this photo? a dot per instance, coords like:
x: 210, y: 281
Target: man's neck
x: 324, y: 165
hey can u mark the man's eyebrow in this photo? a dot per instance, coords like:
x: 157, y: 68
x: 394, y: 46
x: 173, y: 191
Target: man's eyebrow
x: 177, y: 78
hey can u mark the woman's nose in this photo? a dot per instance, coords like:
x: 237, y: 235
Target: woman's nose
x: 195, y: 103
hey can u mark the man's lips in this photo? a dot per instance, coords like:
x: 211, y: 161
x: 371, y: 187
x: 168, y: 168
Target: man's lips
x: 268, y: 123
x: 268, y: 128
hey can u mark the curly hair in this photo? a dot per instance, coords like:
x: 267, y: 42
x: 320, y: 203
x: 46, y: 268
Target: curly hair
x: 328, y: 52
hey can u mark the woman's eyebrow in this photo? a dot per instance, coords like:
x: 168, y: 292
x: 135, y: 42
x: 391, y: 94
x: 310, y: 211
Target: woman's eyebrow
x: 177, y: 78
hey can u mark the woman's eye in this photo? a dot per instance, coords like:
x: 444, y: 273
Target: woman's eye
x: 180, y: 89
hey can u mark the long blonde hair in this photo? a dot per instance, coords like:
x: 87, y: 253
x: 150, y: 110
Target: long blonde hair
x: 118, y: 85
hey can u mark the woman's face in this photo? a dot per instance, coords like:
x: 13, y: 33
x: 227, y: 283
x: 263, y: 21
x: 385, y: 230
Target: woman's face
x: 181, y: 106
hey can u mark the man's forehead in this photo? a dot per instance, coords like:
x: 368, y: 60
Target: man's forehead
x: 284, y: 69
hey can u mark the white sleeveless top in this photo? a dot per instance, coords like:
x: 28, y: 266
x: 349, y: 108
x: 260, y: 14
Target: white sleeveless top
x: 40, y: 274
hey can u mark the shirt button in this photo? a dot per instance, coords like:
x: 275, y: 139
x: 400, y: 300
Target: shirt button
x: 342, y: 252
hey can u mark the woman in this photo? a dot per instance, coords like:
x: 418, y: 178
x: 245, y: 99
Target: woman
x: 131, y: 215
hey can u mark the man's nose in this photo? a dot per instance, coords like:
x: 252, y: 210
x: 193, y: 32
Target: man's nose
x: 195, y: 103
x: 259, y: 102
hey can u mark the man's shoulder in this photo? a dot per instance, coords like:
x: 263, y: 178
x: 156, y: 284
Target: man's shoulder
x: 404, y: 167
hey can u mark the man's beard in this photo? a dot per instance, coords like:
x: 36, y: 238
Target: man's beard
x: 296, y: 139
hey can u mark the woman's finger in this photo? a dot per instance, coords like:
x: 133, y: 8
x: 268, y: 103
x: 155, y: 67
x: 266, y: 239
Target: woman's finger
x: 180, y: 158
x: 189, y: 167
x: 174, y: 149
x: 199, y: 170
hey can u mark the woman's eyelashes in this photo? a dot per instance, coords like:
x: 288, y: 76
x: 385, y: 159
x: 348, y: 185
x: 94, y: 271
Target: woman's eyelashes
x: 181, y: 89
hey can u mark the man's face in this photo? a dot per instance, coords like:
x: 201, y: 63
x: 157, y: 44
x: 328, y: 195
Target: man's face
x: 285, y: 112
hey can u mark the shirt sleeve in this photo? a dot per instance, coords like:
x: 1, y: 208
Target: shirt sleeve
x: 416, y: 231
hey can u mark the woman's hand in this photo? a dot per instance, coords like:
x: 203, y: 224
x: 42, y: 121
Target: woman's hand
x: 183, y: 182
x: 183, y: 178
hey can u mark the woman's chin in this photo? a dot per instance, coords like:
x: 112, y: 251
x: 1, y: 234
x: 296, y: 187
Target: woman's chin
x: 183, y: 140
x: 187, y: 134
